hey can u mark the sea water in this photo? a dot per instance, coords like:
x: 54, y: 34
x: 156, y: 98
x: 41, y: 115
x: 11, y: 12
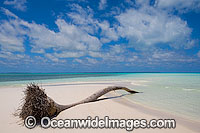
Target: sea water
x: 176, y: 93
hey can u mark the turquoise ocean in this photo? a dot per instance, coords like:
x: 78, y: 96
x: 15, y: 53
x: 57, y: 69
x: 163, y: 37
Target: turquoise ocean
x: 176, y: 93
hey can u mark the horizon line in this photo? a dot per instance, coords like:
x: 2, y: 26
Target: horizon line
x: 84, y: 72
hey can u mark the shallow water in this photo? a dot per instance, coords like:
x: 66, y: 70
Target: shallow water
x: 177, y: 93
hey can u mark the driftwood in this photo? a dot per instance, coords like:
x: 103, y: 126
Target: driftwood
x: 36, y: 103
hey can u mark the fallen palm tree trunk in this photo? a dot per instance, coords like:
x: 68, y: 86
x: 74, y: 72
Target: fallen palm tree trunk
x: 36, y: 103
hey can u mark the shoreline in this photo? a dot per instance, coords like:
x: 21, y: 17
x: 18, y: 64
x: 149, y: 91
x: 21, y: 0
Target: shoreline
x: 189, y: 123
x: 119, y: 108
x: 126, y: 83
x: 100, y: 82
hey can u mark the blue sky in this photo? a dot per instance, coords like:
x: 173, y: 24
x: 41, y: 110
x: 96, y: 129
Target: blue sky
x: 99, y: 36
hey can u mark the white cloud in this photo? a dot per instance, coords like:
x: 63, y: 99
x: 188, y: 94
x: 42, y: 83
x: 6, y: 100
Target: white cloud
x: 3, y: 63
x: 102, y: 4
x: 86, y: 61
x: 132, y: 58
x: 116, y: 49
x: 8, y: 13
x: 180, y: 5
x: 13, y: 57
x: 162, y: 54
x: 144, y: 28
x: 17, y: 4
x: 148, y: 27
x: 51, y: 57
x: 115, y: 53
x: 142, y: 2
x: 159, y: 56
x: 109, y: 33
x: 198, y: 54
x: 78, y: 60
x: 130, y: 2
x: 70, y: 37
x: 96, y: 54
x: 11, y: 36
x: 91, y: 60
x: 68, y: 54
x: 83, y: 18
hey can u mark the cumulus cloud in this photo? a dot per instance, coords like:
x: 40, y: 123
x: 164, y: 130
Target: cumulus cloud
x: 78, y: 60
x: 51, y: 57
x: 142, y: 2
x: 69, y: 37
x: 88, y: 40
x: 83, y: 18
x: 11, y: 56
x: 114, y: 53
x: 148, y: 27
x: 11, y: 34
x: 165, y: 54
x: 198, y: 54
x: 117, y: 49
x: 17, y: 4
x: 109, y: 33
x: 179, y: 5
x: 102, y: 4
x: 69, y: 41
x: 91, y: 60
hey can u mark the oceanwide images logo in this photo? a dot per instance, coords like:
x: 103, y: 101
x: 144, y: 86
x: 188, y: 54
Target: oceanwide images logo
x: 127, y: 124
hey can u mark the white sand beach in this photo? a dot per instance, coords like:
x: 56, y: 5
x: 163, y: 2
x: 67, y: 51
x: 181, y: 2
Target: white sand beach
x: 115, y: 108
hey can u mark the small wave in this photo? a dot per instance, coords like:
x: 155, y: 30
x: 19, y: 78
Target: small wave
x: 185, y: 89
x: 137, y: 84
